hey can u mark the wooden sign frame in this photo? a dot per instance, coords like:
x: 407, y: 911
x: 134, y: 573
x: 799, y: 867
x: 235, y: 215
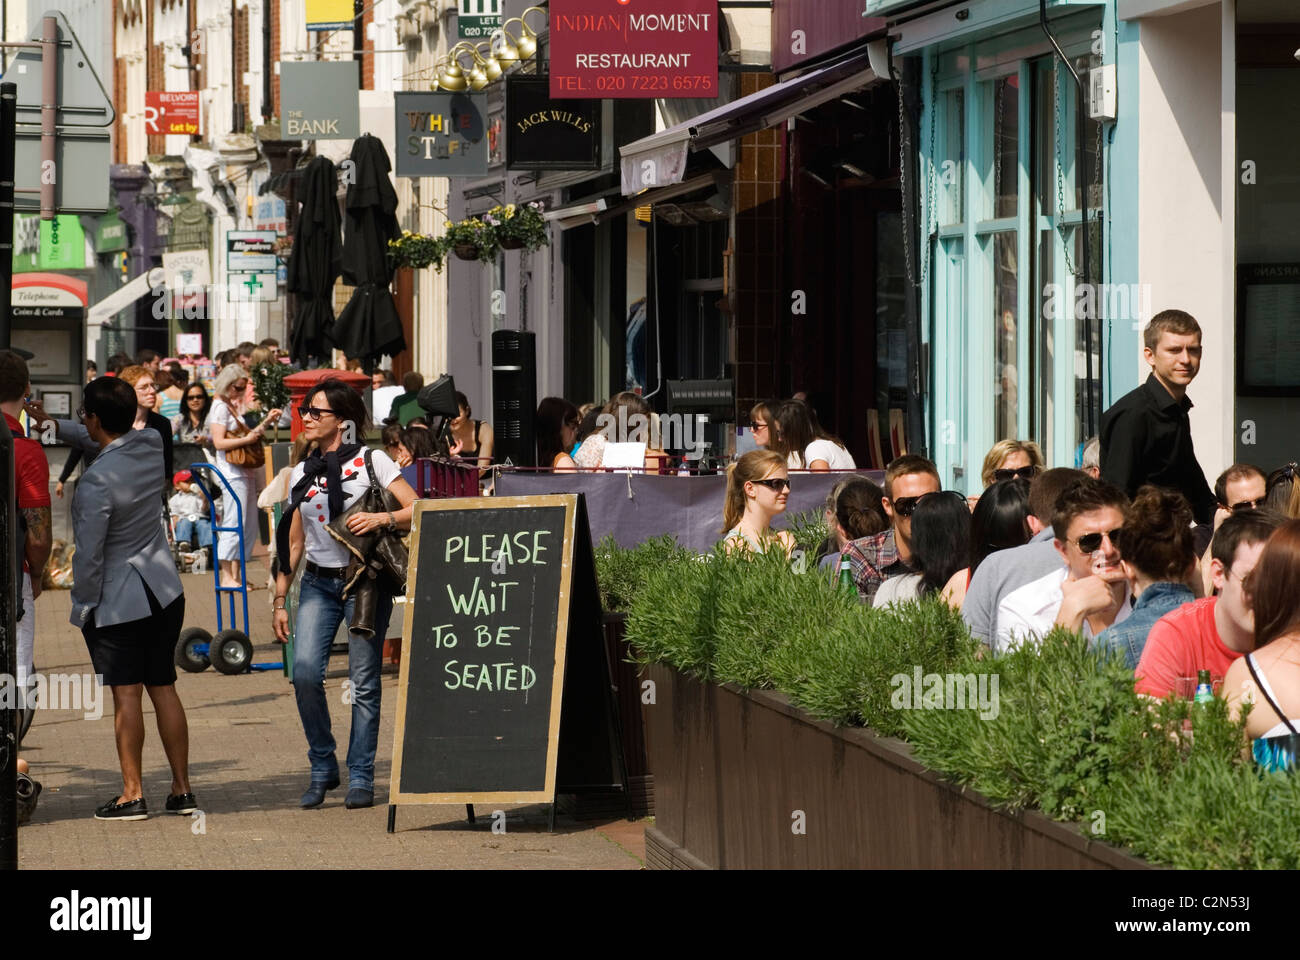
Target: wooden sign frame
x: 423, y: 508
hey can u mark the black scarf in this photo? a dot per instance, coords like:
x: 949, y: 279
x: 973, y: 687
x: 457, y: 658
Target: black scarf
x: 318, y: 465
x: 329, y: 466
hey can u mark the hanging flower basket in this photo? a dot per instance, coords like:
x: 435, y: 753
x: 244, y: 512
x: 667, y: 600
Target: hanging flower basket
x: 472, y: 239
x: 519, y: 227
x: 416, y: 250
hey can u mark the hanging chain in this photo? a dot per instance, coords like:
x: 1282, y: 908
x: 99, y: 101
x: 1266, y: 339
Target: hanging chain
x: 931, y: 181
x: 997, y: 145
x: 1060, y: 176
x: 902, y: 179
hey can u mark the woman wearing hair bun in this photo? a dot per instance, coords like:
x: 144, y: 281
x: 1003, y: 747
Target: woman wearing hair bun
x: 1158, y: 555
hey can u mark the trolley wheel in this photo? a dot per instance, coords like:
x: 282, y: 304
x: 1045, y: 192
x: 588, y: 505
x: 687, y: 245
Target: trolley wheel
x: 231, y: 652
x: 188, y: 657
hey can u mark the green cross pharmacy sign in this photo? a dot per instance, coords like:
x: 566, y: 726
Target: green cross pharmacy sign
x: 478, y: 18
x: 251, y: 287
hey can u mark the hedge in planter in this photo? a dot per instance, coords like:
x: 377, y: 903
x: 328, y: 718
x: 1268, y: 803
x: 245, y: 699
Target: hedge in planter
x: 1070, y: 736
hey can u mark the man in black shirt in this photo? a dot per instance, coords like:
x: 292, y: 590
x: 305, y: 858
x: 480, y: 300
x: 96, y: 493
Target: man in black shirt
x: 1146, y: 436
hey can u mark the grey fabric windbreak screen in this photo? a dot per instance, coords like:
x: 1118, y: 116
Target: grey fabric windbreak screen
x: 636, y: 507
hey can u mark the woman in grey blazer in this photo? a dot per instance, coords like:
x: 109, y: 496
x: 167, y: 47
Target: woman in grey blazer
x: 127, y: 597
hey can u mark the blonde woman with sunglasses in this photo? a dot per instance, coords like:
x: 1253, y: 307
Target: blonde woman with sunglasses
x: 226, y: 427
x: 758, y: 487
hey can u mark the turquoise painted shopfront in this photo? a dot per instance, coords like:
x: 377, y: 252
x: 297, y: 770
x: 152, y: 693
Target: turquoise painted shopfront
x: 1001, y: 189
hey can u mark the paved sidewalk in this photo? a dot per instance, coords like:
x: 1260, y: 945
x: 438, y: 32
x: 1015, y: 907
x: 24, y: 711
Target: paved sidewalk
x: 248, y: 762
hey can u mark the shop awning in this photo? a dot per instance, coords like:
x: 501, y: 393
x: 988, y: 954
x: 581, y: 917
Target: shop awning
x: 715, y: 179
x: 660, y: 159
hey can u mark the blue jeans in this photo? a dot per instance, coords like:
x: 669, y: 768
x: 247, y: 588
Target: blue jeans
x: 187, y: 530
x: 321, y: 609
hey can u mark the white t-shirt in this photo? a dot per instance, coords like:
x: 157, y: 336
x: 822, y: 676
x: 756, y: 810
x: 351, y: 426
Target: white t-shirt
x: 223, y: 415
x: 381, y: 402
x: 836, y: 457
x: 1028, y: 613
x: 898, y: 590
x: 321, y: 548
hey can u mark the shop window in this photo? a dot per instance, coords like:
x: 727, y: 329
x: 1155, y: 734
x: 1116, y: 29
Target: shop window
x: 1002, y: 192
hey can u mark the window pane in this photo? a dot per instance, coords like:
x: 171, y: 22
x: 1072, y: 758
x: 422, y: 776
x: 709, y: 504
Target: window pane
x: 1050, y: 303
x: 1002, y: 132
x: 1006, y: 375
x: 952, y: 163
x: 1087, y: 350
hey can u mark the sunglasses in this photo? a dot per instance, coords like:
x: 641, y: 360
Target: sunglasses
x: 1007, y: 473
x: 775, y: 484
x: 1091, y: 542
x: 314, y: 413
x: 906, y: 506
x: 756, y: 425
x: 196, y: 396
x: 1247, y: 505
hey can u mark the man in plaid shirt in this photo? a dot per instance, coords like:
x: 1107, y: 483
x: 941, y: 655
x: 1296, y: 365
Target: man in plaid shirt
x: 877, y: 558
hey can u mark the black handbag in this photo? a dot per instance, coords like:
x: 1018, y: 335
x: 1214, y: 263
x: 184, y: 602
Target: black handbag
x: 377, y: 560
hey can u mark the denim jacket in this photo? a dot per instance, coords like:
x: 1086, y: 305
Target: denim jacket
x: 1129, y: 638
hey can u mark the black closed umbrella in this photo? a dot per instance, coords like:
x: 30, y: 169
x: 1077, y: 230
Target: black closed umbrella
x: 315, y: 263
x: 369, y: 326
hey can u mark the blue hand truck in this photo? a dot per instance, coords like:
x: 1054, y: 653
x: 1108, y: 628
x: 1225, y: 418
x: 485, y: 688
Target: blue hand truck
x: 231, y: 650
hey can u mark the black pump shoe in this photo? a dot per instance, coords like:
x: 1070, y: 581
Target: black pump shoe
x: 135, y: 809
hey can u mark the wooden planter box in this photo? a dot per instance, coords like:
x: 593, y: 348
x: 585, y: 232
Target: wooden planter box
x: 735, y: 770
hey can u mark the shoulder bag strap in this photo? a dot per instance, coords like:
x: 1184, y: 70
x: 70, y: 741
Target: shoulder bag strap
x: 1263, y: 688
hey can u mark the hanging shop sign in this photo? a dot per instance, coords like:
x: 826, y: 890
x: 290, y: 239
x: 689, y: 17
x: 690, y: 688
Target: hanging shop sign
x: 441, y: 134
x: 548, y: 134
x: 318, y: 100
x: 110, y: 233
x: 169, y: 113
x: 270, y: 213
x: 330, y: 14
x: 607, y: 48
x: 250, y: 251
x: 188, y: 275
x: 477, y: 19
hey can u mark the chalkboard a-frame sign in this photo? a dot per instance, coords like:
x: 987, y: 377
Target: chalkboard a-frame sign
x: 499, y: 610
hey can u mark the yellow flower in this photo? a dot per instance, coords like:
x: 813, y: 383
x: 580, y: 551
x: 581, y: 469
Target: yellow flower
x: 510, y: 210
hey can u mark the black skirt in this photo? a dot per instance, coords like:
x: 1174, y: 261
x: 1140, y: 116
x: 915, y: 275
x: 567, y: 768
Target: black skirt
x: 138, y: 651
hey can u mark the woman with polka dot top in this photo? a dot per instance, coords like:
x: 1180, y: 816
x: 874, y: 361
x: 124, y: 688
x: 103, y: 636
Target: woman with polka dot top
x: 329, y: 480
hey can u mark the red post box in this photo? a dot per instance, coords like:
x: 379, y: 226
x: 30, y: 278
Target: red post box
x: 303, y: 383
